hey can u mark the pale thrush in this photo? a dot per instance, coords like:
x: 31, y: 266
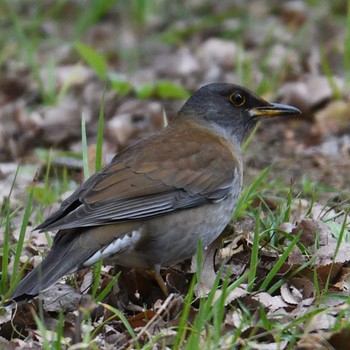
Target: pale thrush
x: 149, y: 207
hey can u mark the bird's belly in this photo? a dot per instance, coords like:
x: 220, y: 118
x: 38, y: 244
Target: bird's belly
x: 174, y: 237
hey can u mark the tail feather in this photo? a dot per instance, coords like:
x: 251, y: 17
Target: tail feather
x: 70, y: 252
x: 61, y: 260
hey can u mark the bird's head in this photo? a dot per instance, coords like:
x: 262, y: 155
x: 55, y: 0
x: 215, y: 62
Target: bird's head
x: 231, y: 108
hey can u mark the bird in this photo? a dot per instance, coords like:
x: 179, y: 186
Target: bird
x: 155, y: 200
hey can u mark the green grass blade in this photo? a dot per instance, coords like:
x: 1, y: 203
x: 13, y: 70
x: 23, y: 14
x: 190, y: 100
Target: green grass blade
x: 24, y: 225
x: 125, y: 322
x: 96, y: 272
x: 84, y: 147
x: 279, y: 262
x: 108, y: 288
x: 328, y: 73
x: 42, y: 330
x: 295, y: 272
x: 99, y: 142
x: 254, y: 258
x: 59, y: 332
x: 96, y: 61
x: 248, y: 194
x: 182, y: 326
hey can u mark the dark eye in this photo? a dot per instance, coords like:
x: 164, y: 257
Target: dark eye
x: 237, y: 99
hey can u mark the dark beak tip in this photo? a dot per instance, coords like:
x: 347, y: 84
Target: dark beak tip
x: 295, y: 111
x: 285, y: 109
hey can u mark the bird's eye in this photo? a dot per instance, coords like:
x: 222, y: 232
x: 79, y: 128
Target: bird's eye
x: 237, y: 99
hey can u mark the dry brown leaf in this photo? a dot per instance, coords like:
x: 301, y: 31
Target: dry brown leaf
x: 174, y: 306
x: 267, y: 346
x: 272, y: 303
x: 340, y: 340
x: 236, y: 293
x: 85, y: 277
x: 21, y: 320
x: 334, y: 302
x: 313, y: 342
x: 296, y: 257
x: 322, y: 321
x: 325, y: 255
x: 233, y: 319
x: 61, y: 297
x: 260, y: 339
x: 343, y: 283
x: 329, y: 273
x: 298, y: 291
x: 234, y: 247
x: 286, y: 227
x: 313, y: 230
x: 141, y: 319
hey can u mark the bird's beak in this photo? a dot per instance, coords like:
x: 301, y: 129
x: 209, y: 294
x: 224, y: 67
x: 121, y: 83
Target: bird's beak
x: 273, y: 110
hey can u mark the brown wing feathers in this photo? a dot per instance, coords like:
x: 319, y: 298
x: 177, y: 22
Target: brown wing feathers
x: 134, y: 188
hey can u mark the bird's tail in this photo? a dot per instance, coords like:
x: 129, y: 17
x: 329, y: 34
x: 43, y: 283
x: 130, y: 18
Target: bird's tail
x: 65, y: 257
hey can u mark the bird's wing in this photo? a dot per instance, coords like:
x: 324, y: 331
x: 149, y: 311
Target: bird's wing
x: 153, y: 178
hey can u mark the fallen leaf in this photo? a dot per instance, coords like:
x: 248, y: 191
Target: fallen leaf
x: 270, y: 302
x: 298, y: 290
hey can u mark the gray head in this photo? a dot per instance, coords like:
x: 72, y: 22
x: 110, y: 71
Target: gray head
x: 232, y: 107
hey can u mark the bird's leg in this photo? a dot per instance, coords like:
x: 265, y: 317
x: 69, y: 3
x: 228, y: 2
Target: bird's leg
x: 155, y: 274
